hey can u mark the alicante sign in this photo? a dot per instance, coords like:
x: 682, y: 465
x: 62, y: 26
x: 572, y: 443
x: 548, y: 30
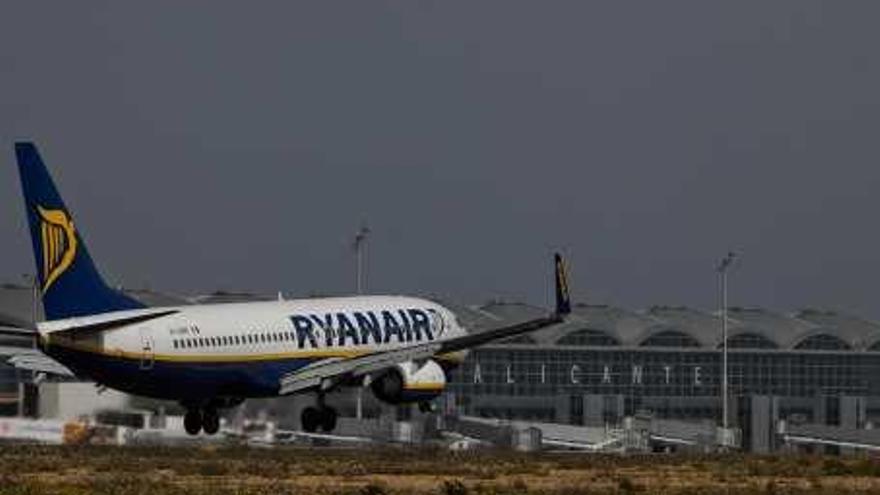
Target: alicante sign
x: 575, y: 374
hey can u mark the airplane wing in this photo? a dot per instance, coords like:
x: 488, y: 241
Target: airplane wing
x: 24, y: 358
x: 329, y: 373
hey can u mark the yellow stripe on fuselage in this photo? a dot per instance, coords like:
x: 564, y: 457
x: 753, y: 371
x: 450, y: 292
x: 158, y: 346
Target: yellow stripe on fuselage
x: 426, y: 386
x: 211, y: 358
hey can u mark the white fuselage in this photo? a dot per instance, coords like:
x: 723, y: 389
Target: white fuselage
x: 241, y: 349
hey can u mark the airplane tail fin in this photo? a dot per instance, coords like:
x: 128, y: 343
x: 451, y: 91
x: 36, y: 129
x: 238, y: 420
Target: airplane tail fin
x: 563, y: 301
x: 69, y: 282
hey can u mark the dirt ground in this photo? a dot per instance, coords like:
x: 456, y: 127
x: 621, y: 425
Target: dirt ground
x: 242, y: 470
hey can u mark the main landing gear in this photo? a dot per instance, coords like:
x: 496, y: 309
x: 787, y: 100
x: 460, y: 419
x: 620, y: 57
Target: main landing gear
x: 206, y: 419
x: 323, y: 417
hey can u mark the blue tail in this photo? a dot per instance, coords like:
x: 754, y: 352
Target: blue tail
x: 70, y: 283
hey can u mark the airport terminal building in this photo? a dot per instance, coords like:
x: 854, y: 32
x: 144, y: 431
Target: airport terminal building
x: 606, y: 363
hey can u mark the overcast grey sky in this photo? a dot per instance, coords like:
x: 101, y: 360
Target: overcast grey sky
x: 239, y: 145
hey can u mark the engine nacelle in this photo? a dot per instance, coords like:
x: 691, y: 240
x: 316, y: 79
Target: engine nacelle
x: 409, y: 382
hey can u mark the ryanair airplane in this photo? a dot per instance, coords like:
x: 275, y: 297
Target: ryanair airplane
x: 213, y: 356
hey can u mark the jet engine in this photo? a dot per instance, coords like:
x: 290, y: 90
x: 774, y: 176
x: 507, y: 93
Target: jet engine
x: 410, y: 382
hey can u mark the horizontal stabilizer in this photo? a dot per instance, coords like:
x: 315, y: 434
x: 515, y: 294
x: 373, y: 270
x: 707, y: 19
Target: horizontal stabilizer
x: 100, y: 323
x: 27, y: 359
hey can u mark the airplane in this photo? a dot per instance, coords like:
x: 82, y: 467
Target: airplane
x: 213, y: 356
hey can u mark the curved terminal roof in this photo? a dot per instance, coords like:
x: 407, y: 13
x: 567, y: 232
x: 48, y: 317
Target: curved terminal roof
x: 858, y: 333
x: 704, y: 327
x: 602, y: 325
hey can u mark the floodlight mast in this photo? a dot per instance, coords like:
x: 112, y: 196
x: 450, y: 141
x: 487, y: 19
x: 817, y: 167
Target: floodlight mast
x: 723, y: 267
x: 360, y: 241
x: 359, y: 245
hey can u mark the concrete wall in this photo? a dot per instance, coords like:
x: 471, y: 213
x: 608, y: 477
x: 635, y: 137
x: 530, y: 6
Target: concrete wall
x: 69, y: 400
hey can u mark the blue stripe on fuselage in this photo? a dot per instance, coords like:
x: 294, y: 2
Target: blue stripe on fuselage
x: 181, y: 380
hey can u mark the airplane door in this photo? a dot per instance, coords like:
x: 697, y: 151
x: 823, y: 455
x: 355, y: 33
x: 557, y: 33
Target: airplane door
x: 438, y: 324
x: 146, y: 350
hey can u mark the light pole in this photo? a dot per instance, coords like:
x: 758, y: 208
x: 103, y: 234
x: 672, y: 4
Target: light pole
x: 723, y: 267
x: 359, y: 245
x: 360, y: 241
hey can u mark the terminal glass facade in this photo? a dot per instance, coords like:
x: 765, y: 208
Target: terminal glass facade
x: 683, y: 381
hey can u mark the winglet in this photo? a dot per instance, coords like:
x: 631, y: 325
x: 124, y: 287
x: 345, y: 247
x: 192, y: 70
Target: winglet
x: 563, y: 302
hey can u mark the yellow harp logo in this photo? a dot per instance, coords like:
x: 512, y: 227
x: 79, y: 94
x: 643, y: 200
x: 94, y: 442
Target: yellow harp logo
x: 59, y: 244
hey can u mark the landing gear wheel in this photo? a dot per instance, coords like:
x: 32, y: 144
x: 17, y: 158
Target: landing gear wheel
x: 211, y: 421
x: 328, y: 419
x: 427, y: 407
x: 192, y: 422
x: 310, y: 419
